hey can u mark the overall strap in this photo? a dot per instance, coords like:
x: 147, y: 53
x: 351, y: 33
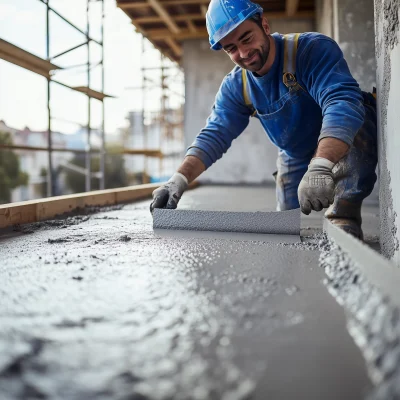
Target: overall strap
x: 290, y: 41
x: 246, y: 97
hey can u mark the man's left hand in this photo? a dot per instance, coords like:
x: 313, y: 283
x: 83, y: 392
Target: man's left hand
x: 317, y: 188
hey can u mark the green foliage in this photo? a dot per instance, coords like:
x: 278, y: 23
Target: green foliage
x: 115, y: 174
x: 11, y: 175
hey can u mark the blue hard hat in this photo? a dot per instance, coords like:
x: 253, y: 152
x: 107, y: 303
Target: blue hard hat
x: 223, y: 16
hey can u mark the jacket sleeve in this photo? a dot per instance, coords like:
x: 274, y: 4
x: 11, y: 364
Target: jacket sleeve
x: 327, y: 78
x: 228, y: 119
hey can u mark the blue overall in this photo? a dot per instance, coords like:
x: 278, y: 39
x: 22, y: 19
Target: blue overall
x: 326, y: 101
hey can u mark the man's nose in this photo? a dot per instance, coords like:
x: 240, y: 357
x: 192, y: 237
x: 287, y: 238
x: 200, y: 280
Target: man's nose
x: 243, y: 52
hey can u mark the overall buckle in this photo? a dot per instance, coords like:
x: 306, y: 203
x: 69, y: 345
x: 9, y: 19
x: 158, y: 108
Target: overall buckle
x: 289, y: 80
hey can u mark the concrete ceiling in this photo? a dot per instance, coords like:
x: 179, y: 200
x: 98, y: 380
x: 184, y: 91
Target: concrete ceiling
x: 166, y: 23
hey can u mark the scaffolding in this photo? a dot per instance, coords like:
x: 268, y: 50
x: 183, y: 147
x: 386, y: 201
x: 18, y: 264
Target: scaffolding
x: 168, y: 118
x: 48, y: 68
x: 90, y: 93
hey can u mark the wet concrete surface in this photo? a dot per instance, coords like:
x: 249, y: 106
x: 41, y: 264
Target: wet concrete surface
x: 104, y: 308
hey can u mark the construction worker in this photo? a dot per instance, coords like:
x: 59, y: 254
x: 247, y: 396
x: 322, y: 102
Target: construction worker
x: 301, y: 90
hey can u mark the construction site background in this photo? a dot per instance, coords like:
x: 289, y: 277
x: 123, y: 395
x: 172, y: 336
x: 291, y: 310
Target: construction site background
x: 145, y: 113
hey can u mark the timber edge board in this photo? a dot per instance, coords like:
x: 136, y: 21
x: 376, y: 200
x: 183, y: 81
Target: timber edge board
x: 31, y: 211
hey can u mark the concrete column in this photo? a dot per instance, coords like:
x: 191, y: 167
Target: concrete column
x: 387, y: 46
x: 324, y: 17
x: 351, y: 24
x: 355, y: 35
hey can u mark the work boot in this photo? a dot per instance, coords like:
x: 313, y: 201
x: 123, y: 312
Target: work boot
x: 347, y: 216
x: 348, y: 225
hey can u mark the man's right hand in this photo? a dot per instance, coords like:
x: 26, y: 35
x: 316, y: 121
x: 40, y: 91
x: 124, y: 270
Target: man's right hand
x: 168, y: 195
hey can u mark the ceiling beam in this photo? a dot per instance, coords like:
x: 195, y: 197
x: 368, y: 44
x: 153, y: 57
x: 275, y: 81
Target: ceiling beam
x: 144, y: 4
x: 291, y: 7
x: 174, y: 46
x: 177, y: 18
x: 191, y: 26
x: 198, y: 17
x: 162, y: 34
x: 160, y: 10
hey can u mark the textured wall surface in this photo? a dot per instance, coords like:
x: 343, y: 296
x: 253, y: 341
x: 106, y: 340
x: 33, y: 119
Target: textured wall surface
x: 252, y: 157
x: 355, y: 34
x: 388, y: 83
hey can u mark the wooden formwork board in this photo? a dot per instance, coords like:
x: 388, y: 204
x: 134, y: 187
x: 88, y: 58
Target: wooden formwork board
x: 26, y: 212
x: 43, y: 209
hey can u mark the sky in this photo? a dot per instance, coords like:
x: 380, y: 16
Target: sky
x: 23, y: 94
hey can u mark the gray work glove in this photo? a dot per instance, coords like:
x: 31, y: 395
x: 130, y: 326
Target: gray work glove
x: 317, y: 188
x: 168, y: 195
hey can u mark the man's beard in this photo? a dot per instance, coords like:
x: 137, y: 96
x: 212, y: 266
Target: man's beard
x: 260, y: 57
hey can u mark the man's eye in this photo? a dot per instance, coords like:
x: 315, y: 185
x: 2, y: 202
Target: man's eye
x: 230, y: 50
x: 247, y: 40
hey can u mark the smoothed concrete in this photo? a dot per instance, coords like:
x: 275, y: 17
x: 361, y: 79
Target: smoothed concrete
x: 101, y: 307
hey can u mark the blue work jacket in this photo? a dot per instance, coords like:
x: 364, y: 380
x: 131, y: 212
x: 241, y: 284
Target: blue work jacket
x: 329, y: 104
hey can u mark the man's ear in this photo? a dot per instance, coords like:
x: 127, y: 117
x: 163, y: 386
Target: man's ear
x: 265, y: 26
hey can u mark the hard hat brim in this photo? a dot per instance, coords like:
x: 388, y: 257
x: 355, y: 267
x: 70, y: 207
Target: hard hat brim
x: 232, y: 25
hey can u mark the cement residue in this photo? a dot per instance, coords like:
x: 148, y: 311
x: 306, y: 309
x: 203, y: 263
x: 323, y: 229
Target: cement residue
x: 65, y: 220
x: 160, y: 318
x: 386, y: 28
x: 373, y: 321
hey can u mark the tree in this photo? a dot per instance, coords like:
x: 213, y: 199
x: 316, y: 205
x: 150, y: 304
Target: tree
x: 11, y: 175
x: 115, y: 173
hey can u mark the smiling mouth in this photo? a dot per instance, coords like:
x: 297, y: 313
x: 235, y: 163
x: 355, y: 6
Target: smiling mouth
x: 249, y: 60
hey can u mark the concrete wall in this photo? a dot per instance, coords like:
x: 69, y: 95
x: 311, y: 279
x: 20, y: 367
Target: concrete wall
x: 387, y: 46
x: 351, y: 24
x: 354, y: 31
x: 324, y: 17
x: 252, y: 157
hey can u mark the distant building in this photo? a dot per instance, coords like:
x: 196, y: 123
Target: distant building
x: 34, y: 163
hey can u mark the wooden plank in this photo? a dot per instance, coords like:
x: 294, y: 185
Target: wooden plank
x: 174, y: 46
x: 200, y: 17
x: 43, y: 209
x: 162, y: 34
x: 31, y: 211
x: 203, y: 9
x: 160, y: 10
x: 177, y: 18
x: 90, y: 92
x: 291, y: 7
x: 58, y: 206
x: 12, y: 215
x: 132, y: 6
x: 144, y: 4
x: 191, y: 26
x: 144, y: 152
x: 24, y: 59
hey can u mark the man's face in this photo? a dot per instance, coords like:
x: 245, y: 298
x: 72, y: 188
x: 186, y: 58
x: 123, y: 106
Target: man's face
x: 248, y: 45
